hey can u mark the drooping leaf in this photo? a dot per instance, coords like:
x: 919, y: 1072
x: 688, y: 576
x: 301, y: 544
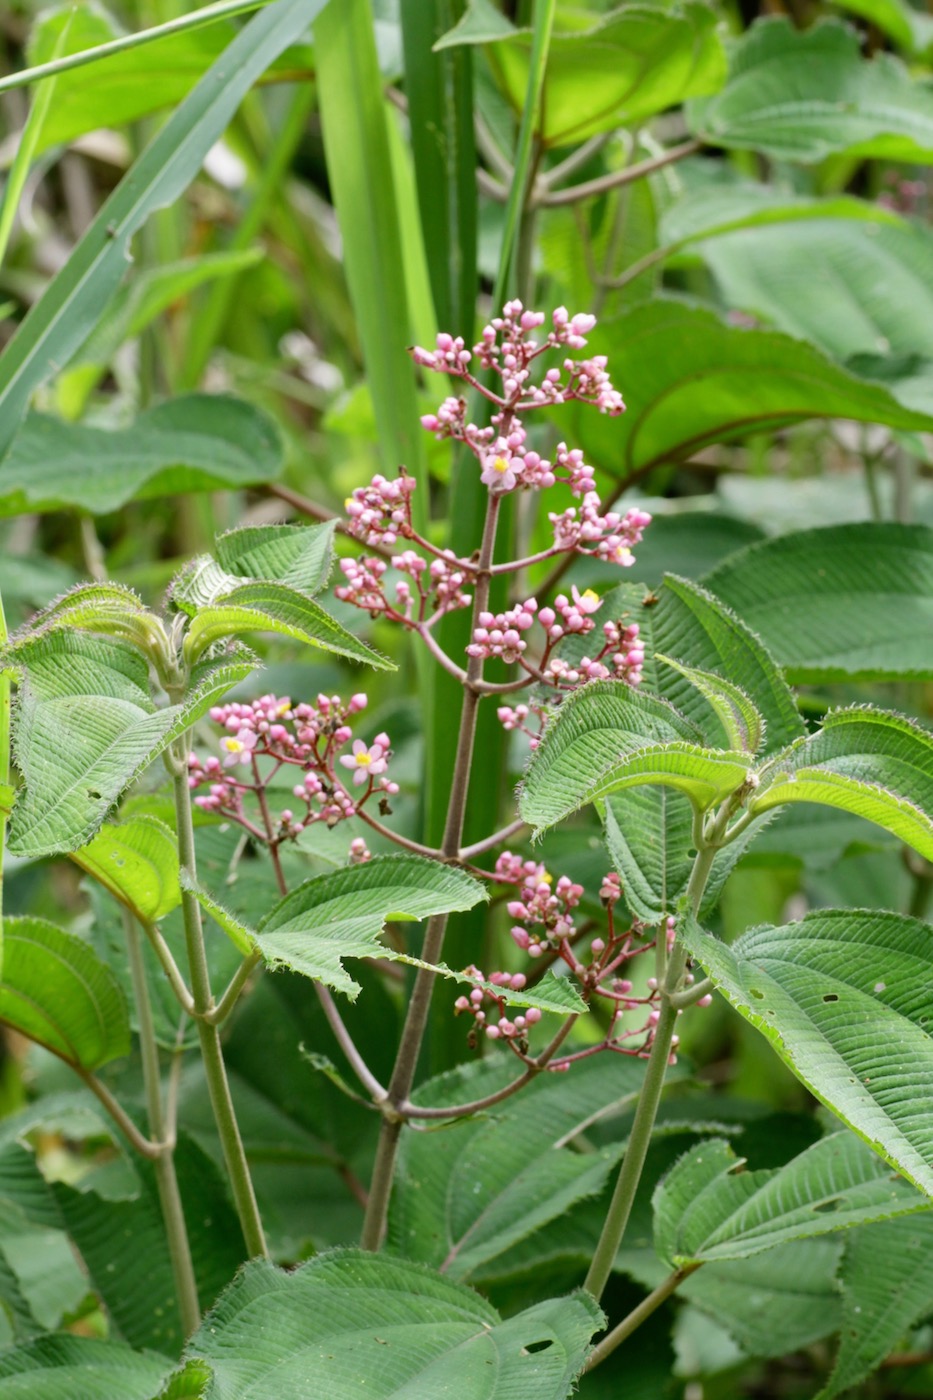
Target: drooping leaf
x: 56, y: 990
x: 827, y: 617
x: 342, y: 914
x: 869, y: 762
x: 86, y: 727
x: 64, y: 1367
x: 886, y: 1289
x: 199, y: 442
x: 806, y: 94
x: 842, y: 996
x: 273, y: 607
x: 59, y: 322
x: 620, y: 70
x: 742, y: 722
x: 348, y: 1317
x: 692, y: 379
x: 124, y: 1249
x: 469, y: 1194
x: 609, y: 736
x: 137, y: 860
x: 707, y: 1208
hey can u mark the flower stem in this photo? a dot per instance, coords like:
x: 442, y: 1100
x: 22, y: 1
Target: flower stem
x: 403, y: 1073
x: 173, y: 1216
x: 212, y: 1056
x: 633, y: 1163
x: 638, y: 1315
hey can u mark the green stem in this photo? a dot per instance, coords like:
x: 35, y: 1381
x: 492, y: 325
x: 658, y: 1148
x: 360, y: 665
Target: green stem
x: 214, y: 1070
x: 638, y: 1315
x: 633, y: 1163
x: 6, y: 684
x: 173, y: 1215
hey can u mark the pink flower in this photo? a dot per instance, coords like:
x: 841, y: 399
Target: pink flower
x: 366, y: 762
x: 239, y: 748
x: 500, y: 472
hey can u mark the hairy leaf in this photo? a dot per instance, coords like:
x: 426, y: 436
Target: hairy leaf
x: 348, y: 1317
x: 742, y: 722
x: 842, y: 996
x: 63, y: 1367
x: 707, y: 1208
x: 300, y: 556
x: 137, y: 860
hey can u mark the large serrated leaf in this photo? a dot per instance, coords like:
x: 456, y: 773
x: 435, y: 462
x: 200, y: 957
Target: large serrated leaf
x: 63, y: 1367
x: 743, y: 723
x: 199, y: 442
x: 707, y: 1208
x: 60, y: 321
x: 468, y: 1195
x: 824, y: 614
x: 56, y: 991
x: 272, y: 607
x: 601, y: 741
x: 872, y: 763
x: 342, y: 914
x: 844, y: 998
x: 86, y: 728
x: 886, y: 1289
x: 806, y: 94
x: 357, y: 1320
x: 137, y: 860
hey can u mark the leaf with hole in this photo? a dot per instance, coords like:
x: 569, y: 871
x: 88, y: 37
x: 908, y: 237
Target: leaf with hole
x: 404, y: 1326
x: 843, y: 997
x: 708, y: 1208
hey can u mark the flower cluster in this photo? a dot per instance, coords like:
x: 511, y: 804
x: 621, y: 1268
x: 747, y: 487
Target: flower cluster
x: 481, y: 999
x: 380, y: 512
x: 266, y: 734
x: 438, y: 586
x: 609, y: 536
x: 542, y: 912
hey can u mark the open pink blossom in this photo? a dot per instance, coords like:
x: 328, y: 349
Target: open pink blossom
x: 366, y: 762
x: 239, y: 747
x: 500, y: 472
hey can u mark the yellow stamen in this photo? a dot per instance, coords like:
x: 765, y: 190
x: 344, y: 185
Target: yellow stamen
x: 589, y: 596
x: 232, y: 745
x: 501, y: 465
x: 364, y: 759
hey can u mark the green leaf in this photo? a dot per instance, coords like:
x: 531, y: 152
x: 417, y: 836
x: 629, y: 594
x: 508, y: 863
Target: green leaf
x: 137, y: 861
x: 124, y: 1248
x: 872, y: 763
x: 342, y: 914
x: 824, y: 615
x: 272, y: 607
x: 86, y: 727
x: 714, y: 209
x: 870, y: 286
x: 59, y: 322
x: 773, y: 1303
x: 299, y: 556
x: 365, y: 199
x: 480, y: 23
x: 200, y: 442
x: 439, y: 87
x: 624, y: 68
x: 806, y: 94
x: 708, y: 1208
x: 886, y: 1289
x: 142, y: 79
x: 469, y: 1194
x: 909, y: 28
x: 692, y: 380
x: 56, y: 990
x: 601, y: 741
x: 402, y: 1327
x: 742, y: 722
x: 842, y: 998
x: 242, y: 938
x: 64, y: 1367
